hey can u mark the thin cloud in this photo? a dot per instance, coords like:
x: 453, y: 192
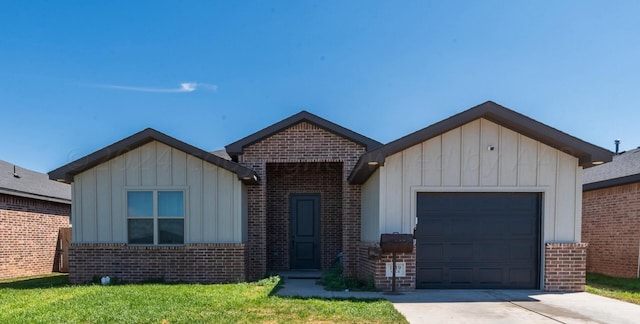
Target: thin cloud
x: 184, y: 87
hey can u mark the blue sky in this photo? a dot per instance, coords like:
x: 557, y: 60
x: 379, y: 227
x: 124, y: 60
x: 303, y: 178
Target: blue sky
x: 76, y: 76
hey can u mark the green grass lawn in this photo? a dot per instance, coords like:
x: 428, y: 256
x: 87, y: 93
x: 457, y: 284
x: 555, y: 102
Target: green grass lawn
x: 623, y: 289
x: 50, y: 299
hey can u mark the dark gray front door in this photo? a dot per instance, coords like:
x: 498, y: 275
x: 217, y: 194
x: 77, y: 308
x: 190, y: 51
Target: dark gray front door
x: 478, y: 240
x: 305, y: 231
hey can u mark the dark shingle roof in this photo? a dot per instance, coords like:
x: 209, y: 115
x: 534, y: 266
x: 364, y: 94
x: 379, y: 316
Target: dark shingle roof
x: 32, y: 184
x: 625, y: 168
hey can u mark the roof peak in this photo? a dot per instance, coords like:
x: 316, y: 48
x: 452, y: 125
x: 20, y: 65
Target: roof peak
x: 587, y: 154
x: 67, y: 172
x: 236, y: 148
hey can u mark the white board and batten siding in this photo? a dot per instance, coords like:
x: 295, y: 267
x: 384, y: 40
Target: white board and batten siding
x: 214, y: 197
x: 460, y: 161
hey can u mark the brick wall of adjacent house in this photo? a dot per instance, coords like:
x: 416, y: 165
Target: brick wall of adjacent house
x: 313, y: 178
x: 301, y: 143
x: 611, y: 226
x: 565, y: 266
x: 202, y: 262
x: 28, y: 235
x: 374, y: 268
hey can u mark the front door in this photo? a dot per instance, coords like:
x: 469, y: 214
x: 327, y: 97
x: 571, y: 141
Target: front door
x: 305, y: 231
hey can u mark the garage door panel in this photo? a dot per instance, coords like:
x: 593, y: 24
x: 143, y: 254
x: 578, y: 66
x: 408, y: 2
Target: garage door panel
x: 437, y: 204
x: 525, y: 228
x: 457, y: 252
x: 432, y: 276
x: 461, y: 275
x: 522, y: 251
x: 431, y: 227
x: 432, y: 252
x: 523, y: 202
x: 520, y: 276
x: 460, y: 228
x: 491, y: 276
x: 491, y: 252
x: 486, y: 240
x: 492, y: 228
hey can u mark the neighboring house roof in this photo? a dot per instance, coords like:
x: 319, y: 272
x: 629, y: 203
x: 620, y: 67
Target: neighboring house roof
x: 66, y: 173
x: 237, y: 148
x: 18, y: 181
x: 586, y: 153
x: 221, y: 153
x: 625, y: 168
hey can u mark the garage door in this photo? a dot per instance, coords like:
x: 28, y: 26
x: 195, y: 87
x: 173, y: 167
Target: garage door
x: 478, y: 240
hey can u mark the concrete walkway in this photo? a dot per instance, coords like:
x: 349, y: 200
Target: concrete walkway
x: 307, y: 287
x: 484, y: 306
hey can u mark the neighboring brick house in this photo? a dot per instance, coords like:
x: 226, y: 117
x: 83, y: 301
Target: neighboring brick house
x: 32, y: 210
x: 480, y: 185
x: 611, y: 216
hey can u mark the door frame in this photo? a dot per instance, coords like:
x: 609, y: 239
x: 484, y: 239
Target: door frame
x: 316, y: 224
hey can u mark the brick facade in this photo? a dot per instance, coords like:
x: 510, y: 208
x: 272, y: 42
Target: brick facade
x: 203, y: 263
x: 375, y: 268
x: 29, y: 233
x: 611, y: 226
x: 301, y: 143
x: 565, y: 266
x: 291, y: 178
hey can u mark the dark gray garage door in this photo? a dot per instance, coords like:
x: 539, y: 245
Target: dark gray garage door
x: 478, y: 240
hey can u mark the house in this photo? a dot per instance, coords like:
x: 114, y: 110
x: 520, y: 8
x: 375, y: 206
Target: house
x: 611, y: 216
x: 32, y: 211
x: 299, y: 192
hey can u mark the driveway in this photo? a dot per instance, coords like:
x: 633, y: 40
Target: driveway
x: 511, y: 306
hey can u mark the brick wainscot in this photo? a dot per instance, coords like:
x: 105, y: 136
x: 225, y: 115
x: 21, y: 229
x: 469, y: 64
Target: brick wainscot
x: 203, y: 263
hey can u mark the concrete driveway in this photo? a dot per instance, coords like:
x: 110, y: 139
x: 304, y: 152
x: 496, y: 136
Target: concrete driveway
x: 511, y: 306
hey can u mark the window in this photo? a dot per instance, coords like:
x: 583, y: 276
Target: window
x: 155, y: 216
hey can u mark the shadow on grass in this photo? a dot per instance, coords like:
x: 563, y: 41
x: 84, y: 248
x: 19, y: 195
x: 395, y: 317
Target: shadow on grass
x: 52, y: 281
x: 604, y: 281
x: 349, y: 299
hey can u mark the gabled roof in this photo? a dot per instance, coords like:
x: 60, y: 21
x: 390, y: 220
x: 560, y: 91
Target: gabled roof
x: 586, y: 153
x: 66, y: 173
x: 236, y: 148
x: 625, y: 168
x: 18, y: 181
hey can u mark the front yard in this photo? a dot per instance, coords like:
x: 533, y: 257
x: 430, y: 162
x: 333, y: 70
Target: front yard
x: 51, y: 299
x: 618, y: 288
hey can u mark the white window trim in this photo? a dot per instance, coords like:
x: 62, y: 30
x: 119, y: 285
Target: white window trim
x: 155, y: 217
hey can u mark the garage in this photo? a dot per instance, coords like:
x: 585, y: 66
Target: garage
x: 492, y: 196
x: 478, y: 240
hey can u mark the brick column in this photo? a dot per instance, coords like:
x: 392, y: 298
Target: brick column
x: 375, y: 268
x: 350, y: 229
x: 565, y: 266
x: 257, y: 226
